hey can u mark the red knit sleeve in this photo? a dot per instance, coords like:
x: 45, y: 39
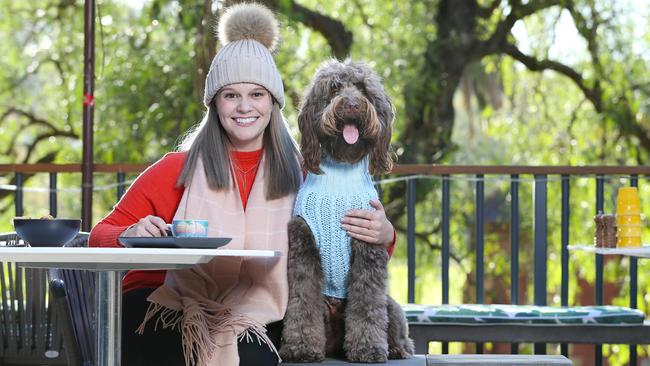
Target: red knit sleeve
x: 154, y: 192
x: 391, y: 247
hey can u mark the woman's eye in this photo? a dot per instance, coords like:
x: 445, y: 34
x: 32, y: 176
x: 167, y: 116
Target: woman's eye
x: 258, y: 94
x: 230, y: 96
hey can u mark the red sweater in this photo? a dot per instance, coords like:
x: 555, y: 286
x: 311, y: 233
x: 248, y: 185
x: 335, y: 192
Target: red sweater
x: 154, y: 192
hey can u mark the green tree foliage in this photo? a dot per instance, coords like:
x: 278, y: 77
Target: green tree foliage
x: 502, y: 82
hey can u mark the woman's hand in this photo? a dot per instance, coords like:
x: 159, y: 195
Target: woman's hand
x: 147, y: 226
x: 370, y: 226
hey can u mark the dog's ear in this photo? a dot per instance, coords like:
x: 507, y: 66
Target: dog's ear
x: 381, y: 158
x: 308, y: 120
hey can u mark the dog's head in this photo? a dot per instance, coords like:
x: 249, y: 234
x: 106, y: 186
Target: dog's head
x: 346, y: 114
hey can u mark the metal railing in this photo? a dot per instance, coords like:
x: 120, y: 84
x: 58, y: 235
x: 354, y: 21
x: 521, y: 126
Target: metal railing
x: 541, y: 176
x: 411, y: 173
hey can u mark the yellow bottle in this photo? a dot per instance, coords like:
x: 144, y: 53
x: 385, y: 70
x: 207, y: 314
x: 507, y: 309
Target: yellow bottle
x: 628, y: 217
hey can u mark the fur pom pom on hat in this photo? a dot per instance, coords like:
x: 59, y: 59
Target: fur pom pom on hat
x: 249, y: 21
x: 248, y: 33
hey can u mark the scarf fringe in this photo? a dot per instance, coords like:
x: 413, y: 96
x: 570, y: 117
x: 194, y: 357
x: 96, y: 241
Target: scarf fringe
x: 167, y: 318
x: 197, y: 340
x: 199, y: 329
x: 262, y: 337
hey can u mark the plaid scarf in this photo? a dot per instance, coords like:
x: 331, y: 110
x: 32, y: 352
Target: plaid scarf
x: 230, y: 298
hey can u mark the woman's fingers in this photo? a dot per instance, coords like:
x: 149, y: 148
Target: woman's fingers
x: 353, y: 221
x: 376, y: 204
x: 160, y: 225
x: 369, y: 226
x: 149, y: 226
x: 362, y: 214
x: 361, y: 233
x: 365, y: 238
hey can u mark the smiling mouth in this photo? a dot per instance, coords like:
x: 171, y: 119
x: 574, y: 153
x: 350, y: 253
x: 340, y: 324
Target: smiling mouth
x: 245, y: 121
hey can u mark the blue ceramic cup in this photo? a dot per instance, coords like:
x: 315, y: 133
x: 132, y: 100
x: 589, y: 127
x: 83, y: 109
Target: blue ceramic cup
x: 189, y: 228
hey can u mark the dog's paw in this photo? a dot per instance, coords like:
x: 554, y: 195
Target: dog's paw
x: 370, y: 354
x: 401, y: 348
x: 399, y: 353
x: 300, y: 354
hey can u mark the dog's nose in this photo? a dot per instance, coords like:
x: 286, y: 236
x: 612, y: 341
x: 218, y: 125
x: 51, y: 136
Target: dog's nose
x: 351, y: 105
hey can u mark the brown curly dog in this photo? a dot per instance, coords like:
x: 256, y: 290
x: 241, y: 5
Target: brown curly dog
x: 338, y: 304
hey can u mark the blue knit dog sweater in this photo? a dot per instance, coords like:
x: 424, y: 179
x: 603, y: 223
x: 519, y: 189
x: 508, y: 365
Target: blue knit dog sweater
x: 322, y: 202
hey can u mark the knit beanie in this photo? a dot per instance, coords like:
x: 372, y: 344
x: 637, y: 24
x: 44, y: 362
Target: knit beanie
x: 248, y: 33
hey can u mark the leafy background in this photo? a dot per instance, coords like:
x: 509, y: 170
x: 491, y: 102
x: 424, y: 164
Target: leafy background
x: 503, y: 82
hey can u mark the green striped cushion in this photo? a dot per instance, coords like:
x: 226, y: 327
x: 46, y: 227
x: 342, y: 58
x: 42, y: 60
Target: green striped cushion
x: 522, y: 314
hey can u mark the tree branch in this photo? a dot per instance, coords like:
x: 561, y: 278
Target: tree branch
x: 593, y: 94
x: 425, y: 237
x: 644, y: 87
x: 34, y: 120
x: 589, y: 32
x: 338, y: 37
x: 32, y: 146
x: 533, y: 7
x: 487, y: 11
x: 517, y: 12
x: 534, y: 64
x: 364, y: 17
x: 12, y: 142
x: 57, y: 64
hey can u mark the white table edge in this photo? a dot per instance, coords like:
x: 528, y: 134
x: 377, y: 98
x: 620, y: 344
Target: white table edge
x: 134, y: 255
x: 642, y: 251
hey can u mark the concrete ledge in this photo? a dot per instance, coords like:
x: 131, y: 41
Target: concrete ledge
x: 497, y: 360
x: 417, y: 360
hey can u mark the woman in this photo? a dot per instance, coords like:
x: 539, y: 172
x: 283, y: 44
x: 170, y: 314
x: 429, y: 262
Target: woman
x: 240, y: 170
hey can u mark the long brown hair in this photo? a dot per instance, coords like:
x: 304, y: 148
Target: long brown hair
x: 209, y: 140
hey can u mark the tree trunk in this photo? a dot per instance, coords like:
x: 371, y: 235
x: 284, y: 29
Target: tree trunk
x: 206, y: 47
x: 429, y: 99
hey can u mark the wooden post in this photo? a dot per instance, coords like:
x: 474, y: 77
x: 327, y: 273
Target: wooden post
x: 88, y: 108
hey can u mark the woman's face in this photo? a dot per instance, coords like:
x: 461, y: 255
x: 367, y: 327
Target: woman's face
x: 244, y: 112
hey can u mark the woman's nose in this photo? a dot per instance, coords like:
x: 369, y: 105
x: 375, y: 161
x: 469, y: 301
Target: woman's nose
x: 244, y: 105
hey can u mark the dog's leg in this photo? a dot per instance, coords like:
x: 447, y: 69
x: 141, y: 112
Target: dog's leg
x: 399, y: 343
x: 303, y: 334
x: 366, y: 320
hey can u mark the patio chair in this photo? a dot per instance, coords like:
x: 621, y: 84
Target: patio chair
x: 74, y: 297
x: 30, y: 329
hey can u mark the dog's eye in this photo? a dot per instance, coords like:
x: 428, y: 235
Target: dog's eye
x: 334, y: 88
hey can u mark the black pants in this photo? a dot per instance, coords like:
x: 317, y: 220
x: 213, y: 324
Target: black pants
x: 163, y: 347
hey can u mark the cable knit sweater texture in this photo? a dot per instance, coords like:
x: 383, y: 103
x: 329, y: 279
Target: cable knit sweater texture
x: 322, y: 202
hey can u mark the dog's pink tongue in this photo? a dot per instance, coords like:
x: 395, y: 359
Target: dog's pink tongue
x: 350, y: 134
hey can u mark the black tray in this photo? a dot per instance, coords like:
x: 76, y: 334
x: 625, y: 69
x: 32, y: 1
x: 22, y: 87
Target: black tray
x: 173, y: 242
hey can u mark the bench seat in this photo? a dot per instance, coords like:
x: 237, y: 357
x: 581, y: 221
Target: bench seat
x: 525, y: 324
x: 522, y: 314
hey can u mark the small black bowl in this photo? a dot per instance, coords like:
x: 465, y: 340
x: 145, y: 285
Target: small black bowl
x: 47, y: 232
